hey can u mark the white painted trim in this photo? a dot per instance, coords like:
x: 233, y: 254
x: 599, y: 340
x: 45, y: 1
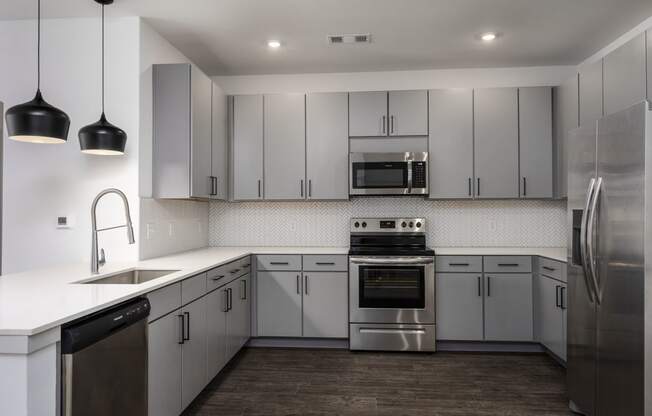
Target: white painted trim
x: 637, y: 30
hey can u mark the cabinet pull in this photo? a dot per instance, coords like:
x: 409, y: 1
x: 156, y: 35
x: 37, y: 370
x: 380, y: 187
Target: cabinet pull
x: 479, y: 186
x: 246, y: 265
x: 243, y: 290
x: 234, y: 271
x: 225, y: 301
x: 305, y: 278
x: 298, y: 285
x: 524, y: 186
x: 470, y: 186
x: 230, y: 294
x: 258, y: 188
x: 479, y: 286
x: 301, y: 186
x: 279, y: 263
x: 391, y: 120
x: 508, y: 264
x: 562, y: 295
x: 212, y: 191
x: 187, y: 337
x: 383, y: 121
x: 550, y: 269
x: 215, y: 190
x: 557, y: 296
x: 459, y: 264
x: 215, y: 279
x: 309, y: 188
x: 182, y: 328
x: 325, y: 263
x: 488, y: 286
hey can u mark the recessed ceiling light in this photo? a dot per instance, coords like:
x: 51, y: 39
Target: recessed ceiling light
x: 274, y: 44
x: 488, y: 37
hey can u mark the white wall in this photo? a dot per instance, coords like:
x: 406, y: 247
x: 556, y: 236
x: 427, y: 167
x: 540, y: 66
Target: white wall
x: 42, y: 182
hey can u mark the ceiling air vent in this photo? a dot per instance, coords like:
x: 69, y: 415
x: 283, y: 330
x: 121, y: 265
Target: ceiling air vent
x: 350, y: 38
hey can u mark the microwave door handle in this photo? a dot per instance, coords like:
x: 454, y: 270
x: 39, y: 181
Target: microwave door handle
x: 409, y: 176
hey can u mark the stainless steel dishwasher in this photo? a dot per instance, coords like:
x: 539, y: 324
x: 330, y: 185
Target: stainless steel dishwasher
x: 104, y: 362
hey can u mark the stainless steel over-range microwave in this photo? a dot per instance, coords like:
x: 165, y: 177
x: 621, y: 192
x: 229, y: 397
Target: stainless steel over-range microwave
x: 388, y: 173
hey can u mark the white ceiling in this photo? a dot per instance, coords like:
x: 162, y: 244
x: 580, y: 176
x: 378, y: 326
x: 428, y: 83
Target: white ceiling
x: 229, y: 36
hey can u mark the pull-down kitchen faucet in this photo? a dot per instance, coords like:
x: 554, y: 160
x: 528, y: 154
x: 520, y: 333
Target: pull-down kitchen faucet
x: 96, y: 259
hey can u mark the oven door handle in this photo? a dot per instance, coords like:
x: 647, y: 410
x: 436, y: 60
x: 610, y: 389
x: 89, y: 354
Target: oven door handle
x: 392, y: 260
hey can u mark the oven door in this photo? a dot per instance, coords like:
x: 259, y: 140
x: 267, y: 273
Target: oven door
x: 387, y: 290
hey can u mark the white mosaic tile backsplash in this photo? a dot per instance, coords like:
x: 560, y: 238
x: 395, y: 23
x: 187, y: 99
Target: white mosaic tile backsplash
x: 450, y: 223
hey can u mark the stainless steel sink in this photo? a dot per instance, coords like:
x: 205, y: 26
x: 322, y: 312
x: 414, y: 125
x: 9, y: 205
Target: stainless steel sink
x: 130, y: 277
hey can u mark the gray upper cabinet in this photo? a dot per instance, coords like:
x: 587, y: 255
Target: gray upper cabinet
x: 285, y: 146
x: 327, y: 145
x: 591, y: 97
x: 368, y: 114
x: 566, y: 110
x: 451, y: 143
x: 496, y: 143
x: 247, y: 147
x: 459, y: 306
x: 182, y: 132
x: 535, y: 142
x: 625, y: 76
x: 508, y: 310
x: 649, y: 64
x: 408, y: 113
x: 219, y: 164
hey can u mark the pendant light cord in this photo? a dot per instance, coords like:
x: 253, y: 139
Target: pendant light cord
x: 38, y: 47
x: 102, y: 59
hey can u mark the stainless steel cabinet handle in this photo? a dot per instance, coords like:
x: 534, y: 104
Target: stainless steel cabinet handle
x: 479, y: 286
x: 298, y: 285
x: 258, y: 188
x: 309, y: 188
x: 243, y: 290
x: 225, y: 301
x: 301, y: 187
x: 478, y: 193
x: 488, y: 286
x: 470, y: 186
x: 391, y: 120
x: 182, y: 328
x: 384, y: 120
x: 187, y: 337
x: 524, y: 186
x: 305, y: 279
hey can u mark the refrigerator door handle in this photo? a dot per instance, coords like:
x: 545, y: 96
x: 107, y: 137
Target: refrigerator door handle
x: 583, y: 256
x: 590, y: 233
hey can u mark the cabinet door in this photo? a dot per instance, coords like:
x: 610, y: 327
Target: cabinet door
x: 566, y: 110
x: 408, y: 113
x: 625, y: 76
x: 590, y: 93
x: 496, y: 143
x: 459, y: 306
x: 564, y: 321
x: 247, y: 137
x: 193, y: 351
x: 535, y: 142
x: 219, y: 148
x: 368, y: 114
x: 550, y: 314
x: 451, y: 143
x: 215, y: 332
x: 201, y: 137
x: 285, y: 146
x: 325, y: 305
x: 649, y: 64
x: 508, y: 307
x: 239, y: 317
x: 279, y: 304
x: 327, y: 145
x: 164, y: 366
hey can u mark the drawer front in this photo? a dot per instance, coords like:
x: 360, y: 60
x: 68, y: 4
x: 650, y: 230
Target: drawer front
x: 327, y: 263
x: 280, y: 262
x: 227, y: 272
x: 164, y: 301
x: 392, y: 337
x: 552, y: 268
x: 193, y: 288
x: 507, y: 264
x: 461, y: 264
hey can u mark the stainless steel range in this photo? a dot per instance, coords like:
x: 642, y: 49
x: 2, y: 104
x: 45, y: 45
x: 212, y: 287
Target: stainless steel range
x: 391, y: 285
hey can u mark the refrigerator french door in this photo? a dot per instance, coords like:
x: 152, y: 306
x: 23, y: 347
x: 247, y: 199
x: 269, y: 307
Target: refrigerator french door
x: 609, y: 213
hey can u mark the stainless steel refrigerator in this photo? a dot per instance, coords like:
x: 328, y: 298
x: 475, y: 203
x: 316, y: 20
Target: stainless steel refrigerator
x: 609, y: 362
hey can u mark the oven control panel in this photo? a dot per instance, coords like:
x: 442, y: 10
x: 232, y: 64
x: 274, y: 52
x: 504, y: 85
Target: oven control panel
x: 388, y: 225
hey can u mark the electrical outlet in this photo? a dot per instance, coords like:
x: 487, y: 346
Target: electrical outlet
x: 65, y: 221
x: 150, y: 228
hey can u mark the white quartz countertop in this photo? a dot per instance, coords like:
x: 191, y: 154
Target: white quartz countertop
x: 34, y: 301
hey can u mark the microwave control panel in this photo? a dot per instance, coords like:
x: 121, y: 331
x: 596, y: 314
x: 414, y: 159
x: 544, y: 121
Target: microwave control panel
x: 418, y: 174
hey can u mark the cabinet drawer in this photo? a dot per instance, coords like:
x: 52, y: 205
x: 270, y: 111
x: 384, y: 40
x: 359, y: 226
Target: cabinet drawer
x: 315, y: 263
x: 462, y: 264
x: 227, y: 272
x: 193, y: 288
x: 164, y: 301
x: 552, y: 268
x: 279, y: 262
x: 508, y: 264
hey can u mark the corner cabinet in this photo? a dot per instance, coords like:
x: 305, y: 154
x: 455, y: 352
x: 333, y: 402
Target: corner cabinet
x: 535, y: 142
x: 247, y: 147
x: 182, y: 113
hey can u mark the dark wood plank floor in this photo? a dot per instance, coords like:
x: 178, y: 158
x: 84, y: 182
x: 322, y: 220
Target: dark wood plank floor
x: 337, y: 382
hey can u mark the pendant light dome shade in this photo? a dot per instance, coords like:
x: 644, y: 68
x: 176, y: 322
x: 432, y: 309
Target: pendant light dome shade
x: 102, y: 138
x: 37, y: 121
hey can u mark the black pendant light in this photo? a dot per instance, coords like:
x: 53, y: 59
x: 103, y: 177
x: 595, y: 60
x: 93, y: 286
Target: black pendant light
x: 102, y: 137
x: 37, y: 121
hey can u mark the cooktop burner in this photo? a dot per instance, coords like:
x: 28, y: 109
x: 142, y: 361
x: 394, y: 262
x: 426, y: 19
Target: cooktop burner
x: 389, y: 237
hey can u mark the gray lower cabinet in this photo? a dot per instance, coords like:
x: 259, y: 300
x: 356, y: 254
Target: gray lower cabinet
x: 508, y: 310
x: 496, y: 143
x: 649, y: 64
x: 459, y: 307
x: 216, y: 338
x: 327, y: 145
x: 238, y: 319
x: 408, y: 113
x: 219, y: 148
x: 164, y: 364
x: 551, y: 314
x: 279, y: 303
x: 368, y: 114
x: 566, y: 110
x: 325, y: 304
x: 247, y: 147
x: 451, y: 143
x: 590, y: 92
x: 535, y: 142
x: 285, y: 146
x: 625, y: 76
x: 193, y: 367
